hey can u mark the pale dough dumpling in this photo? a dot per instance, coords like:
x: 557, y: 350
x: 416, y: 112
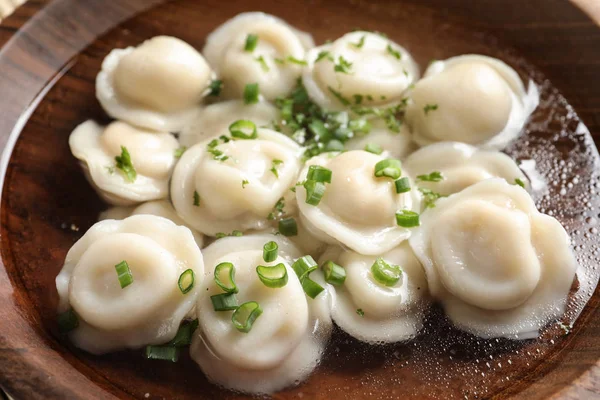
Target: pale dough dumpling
x: 156, y: 85
x: 393, y: 144
x: 148, y: 310
x: 152, y: 155
x: 234, y: 185
x: 360, y: 68
x: 472, y: 99
x: 357, y: 209
x: 370, y: 311
x: 286, y: 341
x: 215, y: 119
x: 268, y: 64
x: 461, y: 166
x: 161, y: 208
x: 499, y: 267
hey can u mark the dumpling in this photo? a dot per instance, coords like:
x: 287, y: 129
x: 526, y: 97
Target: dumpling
x: 461, y: 166
x: 157, y: 85
x: 357, y: 209
x: 392, y: 144
x: 360, y: 68
x: 146, y: 161
x: 285, y: 342
x: 374, y: 312
x: 258, y: 48
x: 160, y: 208
x: 216, y: 118
x: 150, y: 308
x: 221, y: 187
x: 499, y: 267
x: 472, y: 99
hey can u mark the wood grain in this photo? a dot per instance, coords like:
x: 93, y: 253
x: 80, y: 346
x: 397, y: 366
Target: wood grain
x: 44, y: 193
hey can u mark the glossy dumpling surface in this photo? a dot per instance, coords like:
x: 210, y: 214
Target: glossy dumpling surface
x: 360, y: 68
x: 370, y: 311
x: 472, y: 99
x: 152, y: 155
x: 357, y: 209
x: 150, y: 309
x: 461, y: 166
x: 237, y: 190
x: 499, y: 267
x: 286, y: 341
x: 156, y: 85
x: 267, y: 64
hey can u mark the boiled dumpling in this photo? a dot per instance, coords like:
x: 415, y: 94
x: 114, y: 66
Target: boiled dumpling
x: 499, y: 267
x: 374, y: 312
x: 157, y: 85
x: 473, y: 99
x: 217, y: 117
x: 150, y: 308
x: 361, y: 69
x: 220, y: 187
x: 147, y: 160
x: 257, y: 48
x: 161, y: 208
x: 285, y: 342
x: 392, y: 144
x: 357, y: 209
x: 461, y: 165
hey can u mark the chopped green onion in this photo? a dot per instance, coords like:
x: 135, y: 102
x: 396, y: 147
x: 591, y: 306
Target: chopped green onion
x: 435, y: 176
x: 360, y: 312
x: 334, y: 145
x: 270, y: 250
x: 311, y: 288
x: 125, y: 165
x: 407, y: 219
x: 244, y: 316
x: 343, y: 66
x: 389, y: 167
x: 67, y: 321
x: 196, y: 199
x: 288, y: 227
x: 244, y: 183
x: 319, y: 174
x: 273, y: 277
x: 251, y: 41
x: 251, y: 93
x: 373, y: 148
x: 384, y: 273
x: 402, y: 185
x: 186, y: 281
x: 167, y: 353
x: 215, y: 88
x: 334, y: 274
x: 179, y: 151
x: 323, y: 54
x: 395, y: 53
x: 217, y: 154
x: 314, y: 192
x: 184, y: 334
x: 304, y: 266
x: 339, y: 96
x: 124, y: 274
x: 296, y: 61
x: 224, y: 302
x: 225, y: 277
x: 274, y: 165
x: 263, y: 63
x: 360, y: 43
x: 430, y: 197
x: 320, y: 130
x: 520, y: 182
x: 243, y: 129
x: 360, y: 126
x: 429, y: 107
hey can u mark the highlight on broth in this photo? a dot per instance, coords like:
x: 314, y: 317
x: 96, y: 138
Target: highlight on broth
x: 265, y: 189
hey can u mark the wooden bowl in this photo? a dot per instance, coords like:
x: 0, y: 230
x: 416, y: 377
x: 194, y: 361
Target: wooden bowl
x: 51, y: 54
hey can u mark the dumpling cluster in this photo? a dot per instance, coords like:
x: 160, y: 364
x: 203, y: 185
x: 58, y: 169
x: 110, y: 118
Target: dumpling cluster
x: 274, y: 153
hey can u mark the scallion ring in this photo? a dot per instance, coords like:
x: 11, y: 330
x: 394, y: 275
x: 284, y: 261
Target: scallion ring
x: 186, y: 281
x: 390, y: 168
x: 273, y: 277
x: 224, y: 301
x: 184, y: 334
x: 385, y: 273
x: 311, y: 288
x: 124, y: 274
x: 168, y: 353
x: 402, y: 185
x: 243, y: 129
x: 270, y: 250
x: 225, y: 277
x: 314, y: 192
x: 288, y: 227
x: 304, y: 266
x: 244, y: 316
x: 319, y: 174
x: 334, y: 274
x: 407, y: 219
x: 251, y: 93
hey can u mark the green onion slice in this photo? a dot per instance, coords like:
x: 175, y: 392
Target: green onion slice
x: 270, y: 250
x: 251, y: 41
x: 389, y: 167
x: 334, y: 145
x: 273, y: 277
x: 402, y: 185
x: 334, y: 274
x: 373, y: 148
x: 519, y: 182
x: 67, y: 321
x: 384, y: 273
x: 186, y: 281
x: 407, y: 219
x: 243, y: 129
x: 224, y: 302
x: 311, y: 288
x: 288, y: 227
x: 244, y: 316
x: 314, y: 192
x: 184, y: 334
x: 124, y: 274
x: 319, y: 174
x: 225, y: 277
x: 169, y: 353
x: 304, y: 266
x: 251, y: 93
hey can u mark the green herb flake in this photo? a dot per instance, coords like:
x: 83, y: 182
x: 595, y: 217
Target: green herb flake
x: 294, y: 60
x: 196, y: 199
x: 323, y: 55
x: 339, y: 96
x: 430, y: 197
x: 263, y: 63
x: 274, y: 165
x: 435, y: 176
x: 520, y: 182
x: 343, y: 66
x: 179, y: 151
x: 244, y: 183
x: 394, y: 53
x: 429, y: 107
x: 125, y: 165
x: 251, y: 42
x: 360, y: 312
x: 360, y: 43
x: 215, y: 88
